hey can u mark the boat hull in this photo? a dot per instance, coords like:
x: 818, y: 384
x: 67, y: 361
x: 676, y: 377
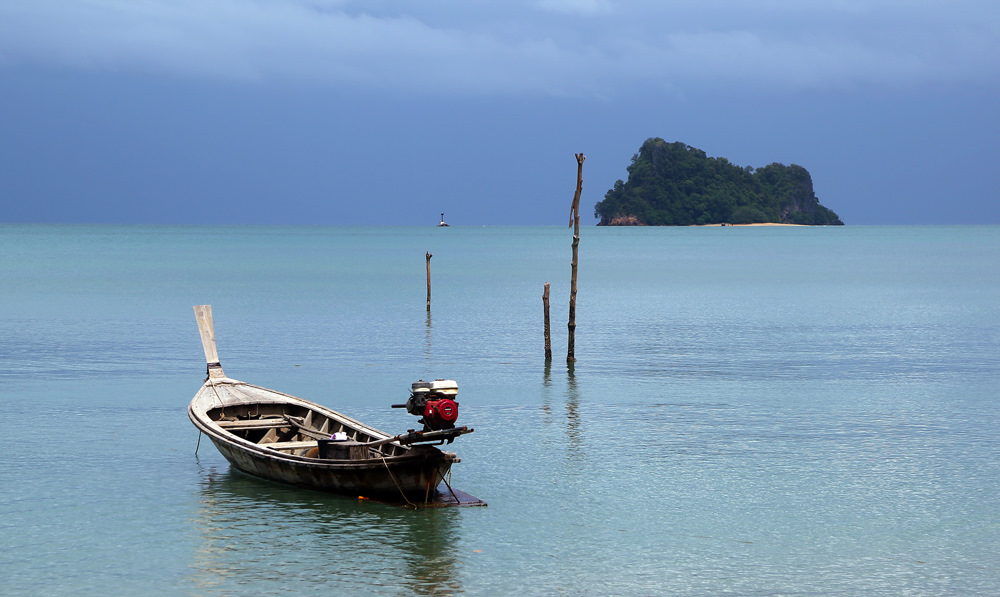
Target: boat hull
x: 414, y: 477
x: 260, y: 432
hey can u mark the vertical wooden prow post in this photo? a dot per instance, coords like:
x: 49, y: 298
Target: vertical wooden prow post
x: 428, y: 256
x: 203, y: 313
x: 574, y: 221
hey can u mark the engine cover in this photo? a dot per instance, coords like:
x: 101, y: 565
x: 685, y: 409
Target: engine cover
x: 440, y: 414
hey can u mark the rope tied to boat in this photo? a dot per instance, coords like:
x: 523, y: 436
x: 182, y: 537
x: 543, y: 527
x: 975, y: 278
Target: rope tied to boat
x: 393, y: 477
x: 430, y: 486
x: 211, y: 382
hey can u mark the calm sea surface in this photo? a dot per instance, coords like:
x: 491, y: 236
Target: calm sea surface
x: 754, y: 411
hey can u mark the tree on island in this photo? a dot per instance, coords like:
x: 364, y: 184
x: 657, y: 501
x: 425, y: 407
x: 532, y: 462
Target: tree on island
x: 673, y: 184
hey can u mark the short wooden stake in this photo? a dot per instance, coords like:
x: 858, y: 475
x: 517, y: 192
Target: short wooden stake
x: 548, y: 336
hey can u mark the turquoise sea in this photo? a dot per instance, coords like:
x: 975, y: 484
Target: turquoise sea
x: 753, y: 411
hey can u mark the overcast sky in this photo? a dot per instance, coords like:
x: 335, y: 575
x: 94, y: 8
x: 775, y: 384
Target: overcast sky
x: 379, y: 112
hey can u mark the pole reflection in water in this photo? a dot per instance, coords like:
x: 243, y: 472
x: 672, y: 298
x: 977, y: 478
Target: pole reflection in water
x: 573, y: 426
x: 256, y: 533
x: 547, y: 393
x: 574, y: 434
x: 427, y: 336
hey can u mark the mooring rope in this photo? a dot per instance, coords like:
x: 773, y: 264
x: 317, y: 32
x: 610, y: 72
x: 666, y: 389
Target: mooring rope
x: 211, y: 382
x: 393, y: 477
x: 216, y: 392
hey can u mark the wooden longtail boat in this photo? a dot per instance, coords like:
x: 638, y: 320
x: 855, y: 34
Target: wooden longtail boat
x: 287, y: 439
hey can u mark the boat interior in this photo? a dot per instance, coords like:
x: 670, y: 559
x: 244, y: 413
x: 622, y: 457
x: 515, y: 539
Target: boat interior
x: 300, y: 431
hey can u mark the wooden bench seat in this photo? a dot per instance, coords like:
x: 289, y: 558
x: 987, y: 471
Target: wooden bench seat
x: 290, y: 445
x: 254, y: 424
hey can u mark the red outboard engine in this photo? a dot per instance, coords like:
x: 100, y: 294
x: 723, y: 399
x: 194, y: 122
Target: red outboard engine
x: 434, y: 402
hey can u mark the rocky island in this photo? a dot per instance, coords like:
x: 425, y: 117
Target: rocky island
x: 673, y: 184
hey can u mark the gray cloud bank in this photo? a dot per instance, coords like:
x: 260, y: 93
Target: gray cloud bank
x: 543, y: 47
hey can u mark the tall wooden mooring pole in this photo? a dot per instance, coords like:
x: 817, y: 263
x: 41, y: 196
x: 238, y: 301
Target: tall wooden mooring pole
x: 428, y: 280
x: 575, y: 223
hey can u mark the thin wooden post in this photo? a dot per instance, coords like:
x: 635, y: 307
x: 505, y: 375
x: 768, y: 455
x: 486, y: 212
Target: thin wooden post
x: 548, y: 336
x: 575, y: 222
x: 429, y: 280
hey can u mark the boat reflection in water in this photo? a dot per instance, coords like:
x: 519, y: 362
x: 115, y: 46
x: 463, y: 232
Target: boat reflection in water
x: 264, y: 535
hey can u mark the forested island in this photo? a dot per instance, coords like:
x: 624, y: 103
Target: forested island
x: 673, y: 184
